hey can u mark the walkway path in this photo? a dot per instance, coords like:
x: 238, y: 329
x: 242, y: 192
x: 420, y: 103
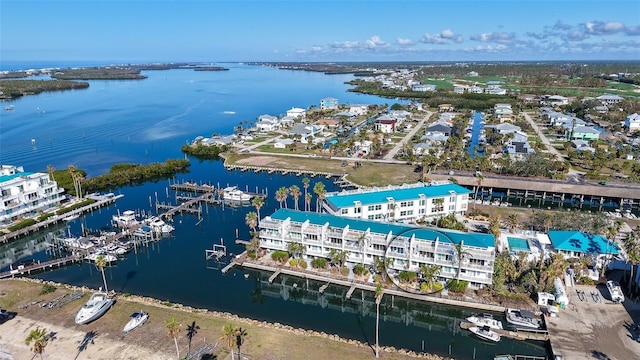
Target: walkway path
x: 392, y: 153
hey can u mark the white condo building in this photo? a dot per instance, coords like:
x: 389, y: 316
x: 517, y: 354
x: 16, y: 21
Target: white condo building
x: 408, y: 247
x: 399, y: 203
x: 26, y: 193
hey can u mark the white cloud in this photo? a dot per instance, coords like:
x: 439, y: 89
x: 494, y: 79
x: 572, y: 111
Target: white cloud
x: 443, y: 38
x: 495, y: 37
x: 603, y: 28
x: 404, y: 42
x: 632, y: 30
x: 375, y: 41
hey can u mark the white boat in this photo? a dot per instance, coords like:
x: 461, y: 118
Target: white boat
x: 485, y: 332
x: 522, y: 319
x: 137, y: 320
x: 70, y: 218
x: 483, y: 319
x: 234, y: 194
x: 9, y: 107
x: 158, y: 225
x: 126, y: 219
x: 615, y: 291
x: 95, y: 307
x: 108, y: 258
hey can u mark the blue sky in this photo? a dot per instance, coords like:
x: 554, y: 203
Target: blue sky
x: 307, y: 30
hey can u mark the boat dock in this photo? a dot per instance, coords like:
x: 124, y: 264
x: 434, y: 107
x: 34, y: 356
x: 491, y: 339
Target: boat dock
x: 521, y: 334
x: 282, y: 171
x: 27, y: 270
x: 274, y: 276
x: 101, y: 200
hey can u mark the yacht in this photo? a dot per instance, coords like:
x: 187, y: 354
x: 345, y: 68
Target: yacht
x: 485, y: 332
x: 137, y: 320
x: 483, y: 319
x: 95, y: 307
x: 159, y: 226
x: 615, y: 291
x: 522, y: 319
x: 126, y: 219
x: 108, y: 258
x: 234, y: 194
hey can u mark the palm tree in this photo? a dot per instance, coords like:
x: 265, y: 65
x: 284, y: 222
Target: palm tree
x: 296, y: 249
x: 253, y: 247
x: 379, y: 293
x: 251, y: 219
x: 281, y: 196
x: 229, y: 336
x: 480, y: 178
x: 305, y: 185
x: 239, y: 334
x: 338, y: 257
x: 294, y: 190
x: 430, y: 273
x: 512, y: 221
x: 51, y: 170
x: 381, y: 265
x: 257, y: 202
x: 439, y: 204
x: 460, y: 253
x: 633, y: 253
x: 72, y: 171
x: 320, y: 192
x: 494, y: 229
x: 361, y: 244
x: 173, y: 328
x: 192, y: 330
x: 101, y: 263
x: 307, y: 201
x: 40, y: 338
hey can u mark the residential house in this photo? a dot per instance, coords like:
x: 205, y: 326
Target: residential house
x: 328, y: 103
x: 283, y: 143
x: 475, y: 89
x: 504, y: 128
x: 399, y: 203
x: 386, y: 126
x: 439, y: 128
x: 555, y: 100
x: 268, y: 123
x: 609, y: 99
x: 218, y: 140
x: 496, y: 91
x: 458, y: 89
x: 358, y: 109
x: 407, y: 247
x: 423, y: 87
x: 582, y: 145
x: 445, y: 107
x: 295, y: 113
x: 585, y: 133
x: 421, y: 148
x: 25, y: 194
x: 632, y: 122
x: 362, y: 148
x: 576, y: 244
x: 328, y: 123
x: 304, y: 131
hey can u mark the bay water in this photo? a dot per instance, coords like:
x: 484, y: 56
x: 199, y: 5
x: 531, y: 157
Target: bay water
x: 141, y: 121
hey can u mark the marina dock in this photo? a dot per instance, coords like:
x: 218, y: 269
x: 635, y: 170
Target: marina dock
x: 27, y: 270
x: 539, y: 335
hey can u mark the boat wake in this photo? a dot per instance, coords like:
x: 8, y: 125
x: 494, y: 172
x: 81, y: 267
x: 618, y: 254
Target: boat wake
x: 228, y: 112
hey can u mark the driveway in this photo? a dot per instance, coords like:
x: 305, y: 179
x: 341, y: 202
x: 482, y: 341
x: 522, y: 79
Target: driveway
x: 392, y: 153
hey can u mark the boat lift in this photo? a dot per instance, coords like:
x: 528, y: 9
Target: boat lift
x: 217, y: 253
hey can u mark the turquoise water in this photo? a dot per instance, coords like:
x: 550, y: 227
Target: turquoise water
x: 148, y: 120
x: 518, y: 244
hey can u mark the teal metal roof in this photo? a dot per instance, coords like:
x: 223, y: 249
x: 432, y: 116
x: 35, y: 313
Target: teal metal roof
x: 378, y: 197
x: 571, y: 240
x: 421, y: 233
x: 4, y: 178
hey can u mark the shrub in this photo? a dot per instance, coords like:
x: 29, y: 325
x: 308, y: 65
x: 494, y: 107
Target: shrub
x: 424, y: 287
x: 407, y: 276
x: 359, y: 269
x: 293, y: 262
x: 22, y: 224
x: 437, y: 287
x: 458, y: 286
x: 302, y: 263
x: 319, y: 263
x: 586, y: 280
x: 44, y: 216
x: 46, y: 289
x: 344, y: 270
x: 280, y: 256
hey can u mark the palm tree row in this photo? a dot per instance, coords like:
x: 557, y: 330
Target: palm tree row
x: 234, y: 337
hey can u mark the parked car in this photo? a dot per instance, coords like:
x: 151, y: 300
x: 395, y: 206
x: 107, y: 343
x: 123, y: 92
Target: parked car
x: 6, y: 315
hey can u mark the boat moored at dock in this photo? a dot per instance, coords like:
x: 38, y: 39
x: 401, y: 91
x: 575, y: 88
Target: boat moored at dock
x: 485, y: 333
x: 484, y: 319
x: 522, y: 319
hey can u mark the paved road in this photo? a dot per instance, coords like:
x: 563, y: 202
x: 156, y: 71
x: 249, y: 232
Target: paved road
x: 392, y: 153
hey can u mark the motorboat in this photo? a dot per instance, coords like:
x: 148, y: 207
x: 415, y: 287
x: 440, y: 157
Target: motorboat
x: 158, y: 225
x: 95, y: 307
x: 615, y: 291
x: 485, y: 332
x: 137, y: 320
x: 234, y: 194
x: 126, y: 219
x: 483, y: 319
x: 108, y: 258
x: 522, y: 319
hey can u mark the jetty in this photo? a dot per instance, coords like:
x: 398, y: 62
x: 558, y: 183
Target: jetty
x: 27, y: 270
x: 518, y: 334
x: 284, y: 171
x: 100, y: 201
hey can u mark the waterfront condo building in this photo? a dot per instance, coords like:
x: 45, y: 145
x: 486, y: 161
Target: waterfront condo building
x: 26, y: 193
x: 407, y: 246
x: 404, y: 203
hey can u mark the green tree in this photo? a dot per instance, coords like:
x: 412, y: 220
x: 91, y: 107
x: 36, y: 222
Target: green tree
x: 281, y: 196
x: 494, y: 229
x: 512, y: 221
x: 429, y: 274
x: 229, y: 335
x: 338, y: 257
x: 294, y: 190
x: 101, y: 263
x: 40, y: 339
x: 258, y: 203
x: 461, y: 254
x: 251, y: 219
x: 173, y: 329
x: 296, y: 249
x: 305, y: 185
x: 320, y: 192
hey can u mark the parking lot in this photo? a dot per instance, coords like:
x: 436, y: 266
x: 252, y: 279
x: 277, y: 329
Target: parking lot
x: 595, y: 327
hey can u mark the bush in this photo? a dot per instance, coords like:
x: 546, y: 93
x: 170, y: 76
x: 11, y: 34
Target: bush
x: 293, y: 262
x: 424, y: 287
x: 458, y: 286
x: 280, y: 256
x: 437, y: 287
x: 344, y: 270
x: 407, y: 276
x: 359, y: 269
x: 44, y: 216
x: 586, y: 280
x: 302, y: 263
x: 75, y: 206
x: 46, y: 289
x: 22, y: 224
x: 319, y: 263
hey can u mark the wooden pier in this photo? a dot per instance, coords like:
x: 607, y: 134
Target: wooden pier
x: 228, y: 267
x: 350, y: 292
x: 283, y: 171
x: 274, y: 276
x: 41, y: 266
x: 324, y: 287
x: 540, y: 335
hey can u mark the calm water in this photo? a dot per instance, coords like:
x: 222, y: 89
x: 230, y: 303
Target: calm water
x: 148, y: 120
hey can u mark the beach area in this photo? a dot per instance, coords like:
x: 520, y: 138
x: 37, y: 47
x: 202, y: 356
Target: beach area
x: 103, y: 338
